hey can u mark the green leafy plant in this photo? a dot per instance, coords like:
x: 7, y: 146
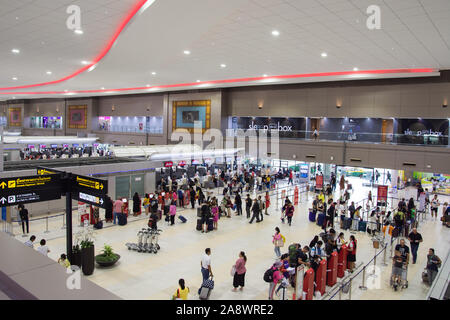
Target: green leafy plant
x: 84, y: 238
x: 107, y: 255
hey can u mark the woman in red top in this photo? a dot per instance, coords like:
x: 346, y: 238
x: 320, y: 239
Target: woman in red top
x: 240, y: 270
x: 267, y: 197
x: 351, y: 256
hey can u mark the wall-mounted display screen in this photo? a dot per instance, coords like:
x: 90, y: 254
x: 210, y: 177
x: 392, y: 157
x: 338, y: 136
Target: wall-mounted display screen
x: 286, y: 127
x: 54, y: 146
x: 46, y: 122
x: 3, y: 121
x: 153, y: 124
x: 422, y: 131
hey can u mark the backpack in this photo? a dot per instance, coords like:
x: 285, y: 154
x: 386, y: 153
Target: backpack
x: 268, y: 275
x: 292, y: 249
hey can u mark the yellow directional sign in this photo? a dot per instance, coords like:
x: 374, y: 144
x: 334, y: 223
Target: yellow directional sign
x: 91, y: 183
x: 29, y: 182
x: 3, y: 185
x: 44, y: 172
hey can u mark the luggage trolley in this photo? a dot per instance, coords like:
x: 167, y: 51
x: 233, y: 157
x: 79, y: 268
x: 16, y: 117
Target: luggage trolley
x: 403, y: 284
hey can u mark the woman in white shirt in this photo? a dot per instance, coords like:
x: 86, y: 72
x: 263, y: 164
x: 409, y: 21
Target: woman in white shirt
x: 340, y: 241
x: 43, y: 249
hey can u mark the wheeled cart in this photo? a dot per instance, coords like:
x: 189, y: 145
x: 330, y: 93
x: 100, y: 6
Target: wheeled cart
x: 403, y: 283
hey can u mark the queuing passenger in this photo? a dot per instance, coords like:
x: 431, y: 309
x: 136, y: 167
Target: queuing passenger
x: 118, y: 209
x: 43, y: 249
x: 351, y: 256
x: 238, y: 204
x: 23, y: 213
x: 172, y: 212
x: 267, y: 202
x: 340, y: 241
x: 248, y: 205
x: 136, y: 204
x: 146, y: 204
x: 261, y: 208
x: 434, y: 206
x: 313, y: 241
x: 192, y: 197
x: 205, y: 212
x: 30, y: 242
x: 215, y: 213
x: 239, y: 273
x: 277, y: 277
x: 182, y: 292
x: 289, y: 213
x: 109, y: 209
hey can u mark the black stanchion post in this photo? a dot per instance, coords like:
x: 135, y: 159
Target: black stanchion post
x: 68, y: 190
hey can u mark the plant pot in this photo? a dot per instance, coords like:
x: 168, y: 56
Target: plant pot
x: 76, y: 259
x: 107, y: 263
x: 88, y: 260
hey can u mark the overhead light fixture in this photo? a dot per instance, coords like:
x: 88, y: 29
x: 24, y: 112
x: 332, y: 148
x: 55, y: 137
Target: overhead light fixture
x: 324, y: 54
x: 275, y: 33
x: 223, y: 65
x: 84, y: 62
x: 78, y: 31
x: 103, y: 88
x: 186, y: 52
x: 355, y: 69
x: 14, y: 78
x: 15, y: 51
x: 147, y: 85
x: 153, y: 73
x: 48, y: 72
x: 198, y: 80
x: 264, y: 75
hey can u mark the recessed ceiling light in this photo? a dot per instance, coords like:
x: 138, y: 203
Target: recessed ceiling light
x: 103, y: 88
x: 186, y: 52
x: 14, y: 78
x: 15, y: 51
x: 355, y: 69
x: 223, y: 65
x: 198, y: 80
x: 147, y: 85
x: 79, y: 31
x: 153, y: 73
x: 48, y: 72
x: 13, y: 97
x: 264, y: 75
x: 324, y: 54
x: 275, y: 33
x: 84, y: 62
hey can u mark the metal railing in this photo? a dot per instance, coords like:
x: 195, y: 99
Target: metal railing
x: 347, y: 283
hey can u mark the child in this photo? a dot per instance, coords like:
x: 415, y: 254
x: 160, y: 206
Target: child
x: 215, y: 214
x: 172, y: 212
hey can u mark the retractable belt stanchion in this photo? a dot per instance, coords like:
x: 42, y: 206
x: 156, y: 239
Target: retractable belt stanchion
x: 363, y: 285
x: 342, y: 262
x: 321, y: 277
x: 308, y: 284
x: 332, y: 270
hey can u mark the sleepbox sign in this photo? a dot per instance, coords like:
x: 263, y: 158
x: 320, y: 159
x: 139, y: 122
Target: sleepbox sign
x: 286, y: 127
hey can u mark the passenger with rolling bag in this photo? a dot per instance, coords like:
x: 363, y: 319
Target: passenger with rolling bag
x: 207, y: 276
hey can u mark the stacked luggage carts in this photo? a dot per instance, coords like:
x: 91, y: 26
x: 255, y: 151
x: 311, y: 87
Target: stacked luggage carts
x: 147, y: 241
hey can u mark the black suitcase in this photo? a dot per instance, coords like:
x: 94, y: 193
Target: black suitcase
x: 210, y: 225
x: 122, y: 219
x: 183, y: 219
x: 199, y: 212
x: 199, y: 225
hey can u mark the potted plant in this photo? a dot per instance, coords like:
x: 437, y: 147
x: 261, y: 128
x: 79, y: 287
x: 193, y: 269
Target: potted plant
x: 107, y: 258
x: 85, y: 239
x: 76, y: 256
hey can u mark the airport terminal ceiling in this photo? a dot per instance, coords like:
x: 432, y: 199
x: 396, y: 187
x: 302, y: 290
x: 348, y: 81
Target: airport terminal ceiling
x: 289, y: 147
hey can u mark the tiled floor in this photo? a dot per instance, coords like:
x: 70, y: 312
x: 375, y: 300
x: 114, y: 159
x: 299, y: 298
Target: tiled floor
x: 150, y: 276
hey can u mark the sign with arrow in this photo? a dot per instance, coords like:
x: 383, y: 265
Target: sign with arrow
x: 89, y: 190
x: 16, y: 190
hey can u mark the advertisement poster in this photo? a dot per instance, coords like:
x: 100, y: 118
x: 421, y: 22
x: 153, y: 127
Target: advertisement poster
x: 382, y: 194
x: 319, y: 181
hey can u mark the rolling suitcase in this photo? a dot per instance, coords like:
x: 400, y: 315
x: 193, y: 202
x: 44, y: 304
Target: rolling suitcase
x: 199, y: 225
x: 347, y: 223
x: 199, y: 212
x: 183, y: 219
x: 362, y: 226
x: 312, y: 215
x: 320, y: 219
x: 205, y: 293
x: 210, y: 225
x: 122, y: 219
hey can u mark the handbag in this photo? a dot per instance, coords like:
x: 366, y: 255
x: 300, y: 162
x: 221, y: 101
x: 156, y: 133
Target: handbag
x: 208, y: 283
x: 233, y: 271
x: 279, y: 242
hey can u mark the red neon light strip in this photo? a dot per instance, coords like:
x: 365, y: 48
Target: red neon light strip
x: 97, y: 59
x: 237, y: 80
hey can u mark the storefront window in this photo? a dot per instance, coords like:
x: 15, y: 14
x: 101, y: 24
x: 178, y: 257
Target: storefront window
x: 152, y: 125
x: 46, y: 122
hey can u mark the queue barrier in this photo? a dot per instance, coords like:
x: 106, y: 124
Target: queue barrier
x: 308, y: 285
x: 332, y: 269
x: 342, y: 262
x: 321, y: 277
